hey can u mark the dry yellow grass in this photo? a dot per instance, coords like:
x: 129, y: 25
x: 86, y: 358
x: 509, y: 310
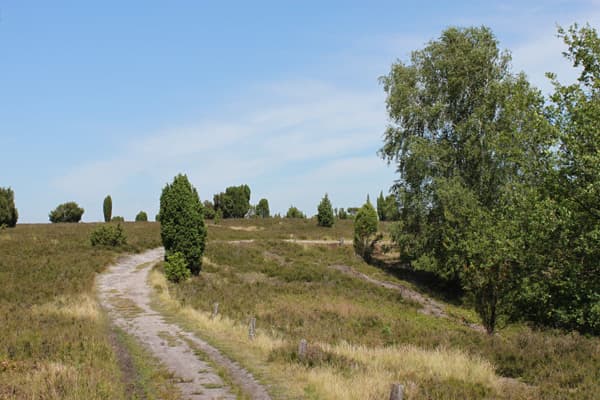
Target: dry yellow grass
x: 47, y: 379
x: 82, y: 306
x: 380, y: 366
x: 220, y: 326
x: 398, y: 364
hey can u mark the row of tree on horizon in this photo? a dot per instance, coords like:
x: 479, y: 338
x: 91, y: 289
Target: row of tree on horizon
x: 234, y: 202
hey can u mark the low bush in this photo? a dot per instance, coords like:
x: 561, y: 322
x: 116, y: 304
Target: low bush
x: 117, y: 218
x: 176, y: 269
x: 66, y: 212
x: 141, y: 217
x: 108, y: 235
x: 294, y: 212
x: 262, y: 208
x: 209, y: 210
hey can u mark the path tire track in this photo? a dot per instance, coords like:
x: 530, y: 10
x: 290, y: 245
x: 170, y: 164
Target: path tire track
x: 125, y: 294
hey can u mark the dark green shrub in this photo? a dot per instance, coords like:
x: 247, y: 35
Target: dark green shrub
x: 141, y: 217
x: 342, y: 214
x: 325, y: 213
x: 108, y: 235
x: 66, y: 212
x: 392, y: 209
x: 293, y: 212
x: 107, y: 208
x: 8, y: 213
x: 117, y: 218
x: 218, y: 216
x: 262, y: 208
x: 234, y: 203
x: 387, y: 208
x: 176, y: 269
x: 365, y: 230
x: 181, y: 222
x: 209, y: 210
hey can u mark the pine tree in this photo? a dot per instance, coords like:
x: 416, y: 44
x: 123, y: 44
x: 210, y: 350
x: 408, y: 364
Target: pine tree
x: 325, y: 213
x: 182, y: 223
x: 8, y: 211
x: 107, y: 208
x: 365, y: 230
x: 381, y: 206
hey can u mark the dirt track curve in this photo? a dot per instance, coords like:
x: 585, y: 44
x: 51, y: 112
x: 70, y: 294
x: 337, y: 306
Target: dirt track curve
x: 430, y: 306
x: 125, y: 294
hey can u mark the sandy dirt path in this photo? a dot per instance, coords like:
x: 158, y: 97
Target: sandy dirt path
x: 430, y: 306
x: 125, y: 294
x: 339, y: 242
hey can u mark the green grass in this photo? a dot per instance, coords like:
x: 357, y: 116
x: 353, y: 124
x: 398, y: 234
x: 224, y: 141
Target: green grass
x: 293, y: 295
x: 55, y: 341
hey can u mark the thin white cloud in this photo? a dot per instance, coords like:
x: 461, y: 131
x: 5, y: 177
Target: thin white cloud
x: 346, y: 168
x: 541, y: 55
x: 293, y: 141
x: 529, y: 31
x: 295, y: 127
x: 190, y: 140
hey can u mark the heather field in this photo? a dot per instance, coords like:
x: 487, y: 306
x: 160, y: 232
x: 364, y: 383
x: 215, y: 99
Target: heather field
x: 58, y: 343
x: 364, y: 336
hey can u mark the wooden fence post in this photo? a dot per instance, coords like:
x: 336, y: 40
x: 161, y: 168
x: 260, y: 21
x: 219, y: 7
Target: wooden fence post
x: 215, y: 311
x: 302, y: 348
x: 252, y: 328
x: 397, y: 392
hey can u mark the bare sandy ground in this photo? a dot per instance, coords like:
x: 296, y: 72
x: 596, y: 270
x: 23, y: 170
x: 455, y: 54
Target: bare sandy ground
x: 125, y: 294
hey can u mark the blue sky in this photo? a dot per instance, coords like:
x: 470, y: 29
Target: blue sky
x: 116, y: 98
